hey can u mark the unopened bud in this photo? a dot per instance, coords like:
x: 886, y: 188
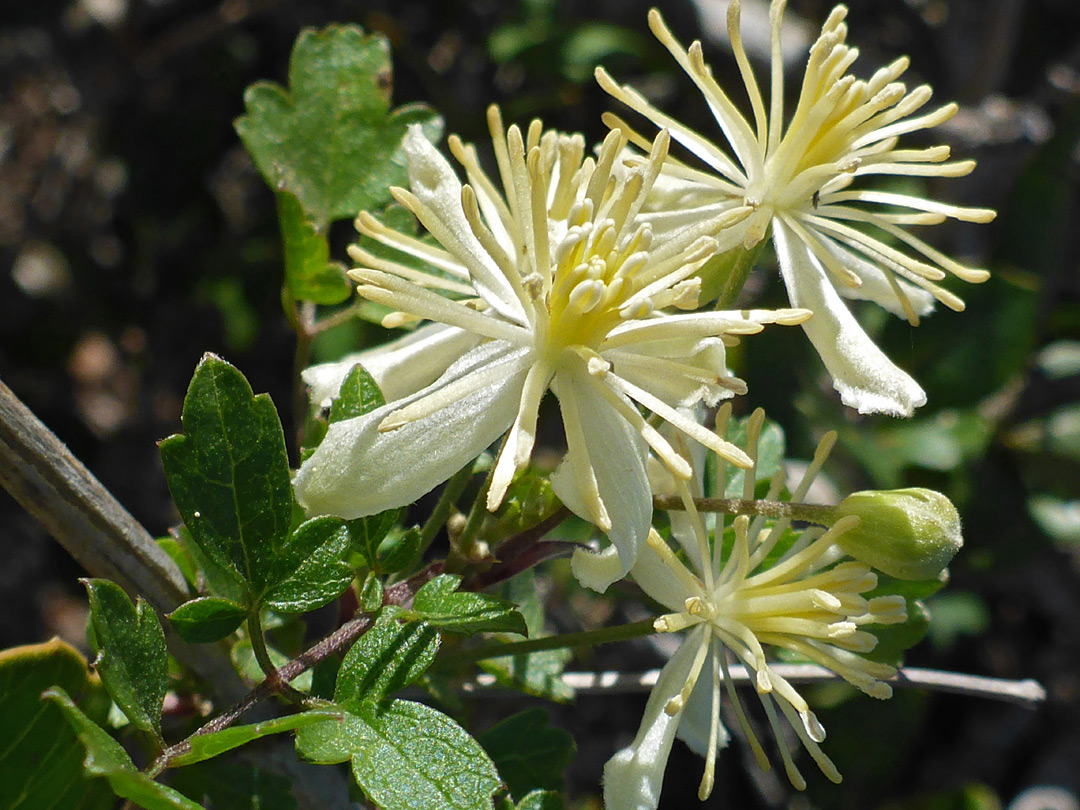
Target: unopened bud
x: 906, y: 533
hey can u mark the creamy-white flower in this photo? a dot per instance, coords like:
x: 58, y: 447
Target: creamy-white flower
x: 563, y: 289
x: 832, y: 238
x: 772, y: 587
x: 400, y: 368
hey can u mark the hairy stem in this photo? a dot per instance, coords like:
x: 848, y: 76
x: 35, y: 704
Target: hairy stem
x: 808, y: 512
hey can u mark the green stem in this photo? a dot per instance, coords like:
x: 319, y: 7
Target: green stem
x: 439, y: 515
x: 738, y: 271
x: 808, y: 512
x: 459, y: 557
x: 586, y: 638
x: 262, y: 656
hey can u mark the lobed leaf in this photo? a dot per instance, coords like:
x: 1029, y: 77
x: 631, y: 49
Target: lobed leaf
x: 132, y: 658
x: 309, y: 273
x: 331, y: 139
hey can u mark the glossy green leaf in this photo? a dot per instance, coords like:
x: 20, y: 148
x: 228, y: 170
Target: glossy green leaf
x: 367, y: 535
x: 132, y: 659
x: 229, y: 476
x: 371, y: 594
x: 207, y: 619
x: 331, y: 139
x: 440, y: 603
x: 529, y: 753
x: 399, y: 550
x: 105, y: 757
x: 40, y: 758
x: 309, y: 273
x: 359, y: 394
x: 206, y: 746
x: 322, y: 575
x: 386, y: 659
x: 405, y: 756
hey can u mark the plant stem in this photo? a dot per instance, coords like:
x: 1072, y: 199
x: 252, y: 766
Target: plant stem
x: 279, y: 685
x: 586, y: 638
x: 451, y: 492
x: 808, y: 512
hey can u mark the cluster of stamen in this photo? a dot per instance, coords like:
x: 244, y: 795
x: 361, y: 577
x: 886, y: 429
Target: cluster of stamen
x: 842, y: 128
x: 809, y: 601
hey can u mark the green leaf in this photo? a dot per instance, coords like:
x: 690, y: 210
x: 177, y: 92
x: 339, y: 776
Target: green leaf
x: 542, y: 800
x: 207, y: 746
x: 359, y: 394
x: 132, y: 658
x: 322, y: 576
x: 386, y: 659
x: 211, y: 578
x: 309, y: 273
x: 893, y: 640
x: 529, y: 753
x: 367, y: 534
x: 528, y: 502
x: 371, y: 594
x: 538, y: 673
x: 405, y: 756
x: 398, y: 550
x: 207, y: 619
x: 106, y: 757
x: 770, y: 452
x: 331, y: 139
x: 40, y: 759
x: 178, y: 553
x: 229, y: 476
x: 441, y: 604
x: 227, y: 784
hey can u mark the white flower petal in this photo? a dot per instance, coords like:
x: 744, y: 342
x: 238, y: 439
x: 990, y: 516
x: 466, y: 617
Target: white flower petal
x: 616, y: 453
x: 634, y: 776
x: 358, y: 470
x: 400, y: 367
x: 656, y: 579
x: 875, y: 287
x: 864, y: 376
x: 433, y: 181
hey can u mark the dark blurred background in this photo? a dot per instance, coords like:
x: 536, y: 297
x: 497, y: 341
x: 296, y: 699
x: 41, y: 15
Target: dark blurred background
x: 136, y: 234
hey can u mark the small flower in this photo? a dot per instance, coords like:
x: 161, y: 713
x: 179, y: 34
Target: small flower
x: 830, y: 236
x: 562, y: 289
x: 774, y: 587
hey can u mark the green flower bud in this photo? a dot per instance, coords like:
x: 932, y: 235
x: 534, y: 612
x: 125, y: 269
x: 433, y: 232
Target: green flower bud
x: 906, y: 533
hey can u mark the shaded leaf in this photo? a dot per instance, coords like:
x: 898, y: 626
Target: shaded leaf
x: 243, y: 657
x: 225, y: 784
x: 529, y: 753
x: 132, y: 659
x: 367, y: 533
x: 441, y: 604
x: 309, y: 273
x: 107, y: 758
x: 331, y: 139
x: 207, y: 619
x: 40, y: 758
